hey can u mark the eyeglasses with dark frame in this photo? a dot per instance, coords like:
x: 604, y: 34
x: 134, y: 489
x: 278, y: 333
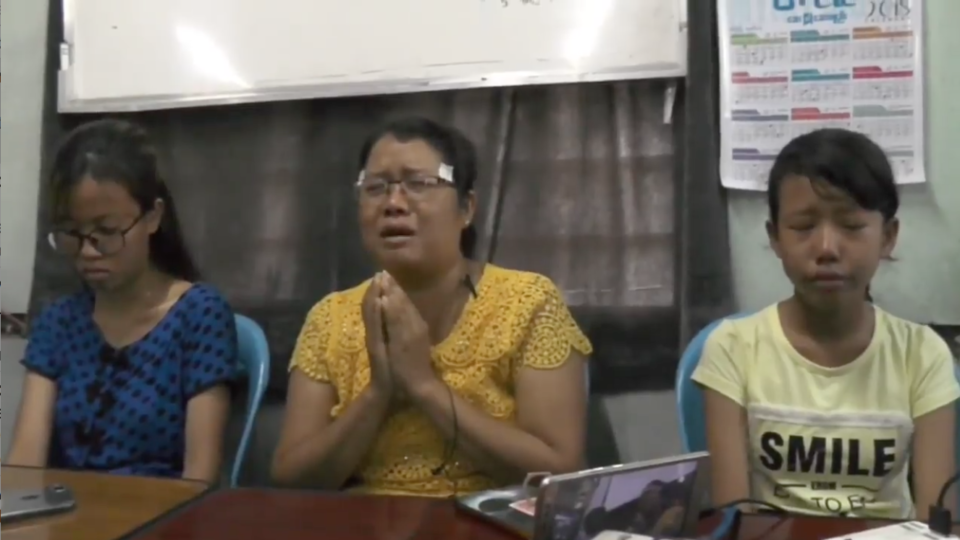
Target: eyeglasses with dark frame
x: 414, y: 185
x: 106, y: 240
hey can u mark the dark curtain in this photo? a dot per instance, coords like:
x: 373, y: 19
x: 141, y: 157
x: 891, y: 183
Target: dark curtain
x: 586, y: 183
x: 706, y: 290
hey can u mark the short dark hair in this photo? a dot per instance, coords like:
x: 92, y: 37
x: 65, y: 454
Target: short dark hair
x: 843, y: 159
x: 121, y: 151
x: 454, y: 148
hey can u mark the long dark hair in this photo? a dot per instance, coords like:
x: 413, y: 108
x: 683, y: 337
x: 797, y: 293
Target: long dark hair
x: 454, y: 148
x: 120, y: 151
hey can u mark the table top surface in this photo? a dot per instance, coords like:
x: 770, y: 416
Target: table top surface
x: 108, y: 506
x: 116, y: 507
x: 774, y: 527
x: 248, y: 514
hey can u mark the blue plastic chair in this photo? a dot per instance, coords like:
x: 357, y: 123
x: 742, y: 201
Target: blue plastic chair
x: 693, y: 433
x: 255, y: 360
x: 956, y: 372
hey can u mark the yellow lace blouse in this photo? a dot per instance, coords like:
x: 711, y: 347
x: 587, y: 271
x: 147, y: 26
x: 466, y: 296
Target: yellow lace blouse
x: 518, y: 319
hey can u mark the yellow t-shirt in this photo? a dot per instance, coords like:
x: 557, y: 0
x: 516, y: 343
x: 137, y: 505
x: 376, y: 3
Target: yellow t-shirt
x: 518, y: 319
x: 830, y: 440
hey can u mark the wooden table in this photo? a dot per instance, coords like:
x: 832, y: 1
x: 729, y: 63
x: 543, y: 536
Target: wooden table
x: 253, y: 514
x: 773, y: 527
x: 257, y: 514
x: 107, y: 506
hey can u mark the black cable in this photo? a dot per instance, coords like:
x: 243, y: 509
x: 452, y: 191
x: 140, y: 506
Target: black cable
x: 940, y: 520
x: 756, y: 502
x: 451, y: 447
x: 942, y: 498
x: 729, y: 518
x: 468, y: 283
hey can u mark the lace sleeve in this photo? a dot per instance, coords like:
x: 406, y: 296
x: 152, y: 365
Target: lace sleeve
x: 552, y: 333
x: 311, y: 352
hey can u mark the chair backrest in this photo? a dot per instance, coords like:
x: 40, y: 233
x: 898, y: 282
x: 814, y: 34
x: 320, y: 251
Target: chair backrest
x: 255, y: 360
x: 693, y: 432
x: 956, y: 372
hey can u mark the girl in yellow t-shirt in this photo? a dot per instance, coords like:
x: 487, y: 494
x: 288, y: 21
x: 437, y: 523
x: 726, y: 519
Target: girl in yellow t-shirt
x: 440, y: 375
x: 823, y: 402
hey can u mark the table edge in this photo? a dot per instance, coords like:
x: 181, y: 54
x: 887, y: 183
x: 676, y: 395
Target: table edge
x: 144, y: 528
x: 177, y: 509
x: 734, y: 529
x: 206, y: 485
x: 201, y: 498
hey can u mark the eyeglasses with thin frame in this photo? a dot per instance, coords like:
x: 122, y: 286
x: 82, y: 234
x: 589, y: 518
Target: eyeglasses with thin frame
x: 414, y: 185
x: 105, y: 240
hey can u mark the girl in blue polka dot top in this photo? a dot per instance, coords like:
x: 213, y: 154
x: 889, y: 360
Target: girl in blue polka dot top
x: 129, y: 375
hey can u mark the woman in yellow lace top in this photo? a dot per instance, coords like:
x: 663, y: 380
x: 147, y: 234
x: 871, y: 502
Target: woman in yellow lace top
x: 439, y: 375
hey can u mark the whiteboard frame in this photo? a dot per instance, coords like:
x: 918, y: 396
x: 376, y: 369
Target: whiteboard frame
x: 69, y: 102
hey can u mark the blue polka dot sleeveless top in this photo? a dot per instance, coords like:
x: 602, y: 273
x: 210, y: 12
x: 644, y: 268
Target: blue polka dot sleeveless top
x: 124, y: 410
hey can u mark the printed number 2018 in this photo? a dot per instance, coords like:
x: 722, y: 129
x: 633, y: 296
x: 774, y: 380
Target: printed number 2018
x: 889, y: 9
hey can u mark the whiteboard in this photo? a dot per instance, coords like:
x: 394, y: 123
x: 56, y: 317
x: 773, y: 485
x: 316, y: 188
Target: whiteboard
x: 129, y: 55
x: 23, y: 58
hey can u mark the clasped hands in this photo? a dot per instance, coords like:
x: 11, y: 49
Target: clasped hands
x: 398, y: 341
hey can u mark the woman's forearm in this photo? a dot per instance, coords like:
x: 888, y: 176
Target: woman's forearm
x: 21, y: 456
x: 500, y: 449
x: 33, y: 430
x: 328, y: 458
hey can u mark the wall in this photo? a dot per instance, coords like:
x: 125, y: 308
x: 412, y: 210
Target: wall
x: 929, y: 251
x: 23, y: 58
x: 14, y: 374
x: 21, y: 103
x: 923, y: 284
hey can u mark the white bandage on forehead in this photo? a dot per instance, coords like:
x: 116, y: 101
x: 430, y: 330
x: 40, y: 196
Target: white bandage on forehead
x: 445, y: 172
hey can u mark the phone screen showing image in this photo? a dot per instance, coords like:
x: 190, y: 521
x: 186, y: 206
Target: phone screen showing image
x: 526, y: 506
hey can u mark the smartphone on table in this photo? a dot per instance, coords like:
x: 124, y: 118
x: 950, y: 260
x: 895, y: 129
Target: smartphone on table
x: 20, y: 504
